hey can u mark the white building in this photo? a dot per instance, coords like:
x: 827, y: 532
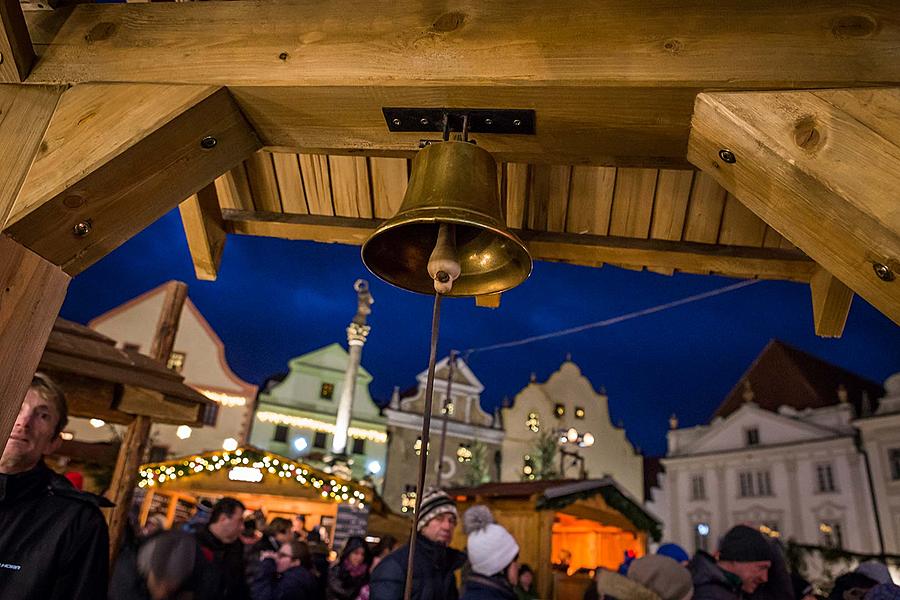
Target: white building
x: 565, y: 401
x: 473, y: 436
x: 781, y: 454
x: 881, y: 441
x: 199, y: 355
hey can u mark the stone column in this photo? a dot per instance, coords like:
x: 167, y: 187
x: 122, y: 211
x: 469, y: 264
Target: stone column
x: 356, y: 338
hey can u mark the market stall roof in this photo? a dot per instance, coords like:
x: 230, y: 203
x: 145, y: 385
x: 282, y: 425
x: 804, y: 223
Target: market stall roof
x: 114, y: 384
x: 558, y: 494
x: 250, y: 469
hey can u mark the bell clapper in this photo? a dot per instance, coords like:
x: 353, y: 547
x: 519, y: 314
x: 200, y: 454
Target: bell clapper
x: 443, y: 266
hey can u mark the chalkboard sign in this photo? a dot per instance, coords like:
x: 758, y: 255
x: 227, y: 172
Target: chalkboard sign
x: 350, y: 521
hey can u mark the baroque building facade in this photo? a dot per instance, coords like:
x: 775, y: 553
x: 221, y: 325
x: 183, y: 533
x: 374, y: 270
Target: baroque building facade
x: 473, y: 439
x: 296, y: 414
x: 782, y: 453
x: 566, y: 401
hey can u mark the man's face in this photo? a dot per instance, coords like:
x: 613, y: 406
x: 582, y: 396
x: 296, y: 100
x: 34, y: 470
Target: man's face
x: 228, y: 527
x: 752, y: 574
x: 33, y: 435
x: 440, y: 529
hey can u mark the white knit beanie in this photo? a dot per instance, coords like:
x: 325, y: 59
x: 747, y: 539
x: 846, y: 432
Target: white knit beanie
x: 491, y: 548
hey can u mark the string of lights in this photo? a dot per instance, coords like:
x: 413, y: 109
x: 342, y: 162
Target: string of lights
x: 252, y: 465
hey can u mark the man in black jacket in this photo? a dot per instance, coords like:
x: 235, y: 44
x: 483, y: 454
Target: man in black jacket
x: 54, y: 543
x: 435, y: 562
x: 741, y: 565
x: 222, y: 553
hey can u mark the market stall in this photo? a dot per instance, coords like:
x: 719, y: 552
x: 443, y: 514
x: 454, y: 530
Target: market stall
x: 565, y: 529
x: 276, y: 485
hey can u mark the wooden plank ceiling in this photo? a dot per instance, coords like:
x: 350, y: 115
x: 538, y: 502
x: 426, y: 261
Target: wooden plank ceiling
x: 661, y: 220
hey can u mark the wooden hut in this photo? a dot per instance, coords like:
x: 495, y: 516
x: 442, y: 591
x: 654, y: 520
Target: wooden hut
x: 593, y: 520
x: 261, y: 480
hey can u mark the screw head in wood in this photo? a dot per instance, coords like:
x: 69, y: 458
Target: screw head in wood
x: 82, y: 228
x: 883, y: 272
x: 396, y: 122
x: 423, y: 121
x: 488, y: 121
x: 208, y: 143
x: 727, y: 156
x: 517, y: 123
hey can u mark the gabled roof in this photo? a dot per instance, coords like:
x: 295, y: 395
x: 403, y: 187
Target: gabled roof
x: 784, y: 376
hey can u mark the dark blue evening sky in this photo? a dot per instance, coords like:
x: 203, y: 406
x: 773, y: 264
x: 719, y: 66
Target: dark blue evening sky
x: 277, y: 299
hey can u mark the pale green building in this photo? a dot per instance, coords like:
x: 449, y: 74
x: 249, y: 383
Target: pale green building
x: 296, y: 417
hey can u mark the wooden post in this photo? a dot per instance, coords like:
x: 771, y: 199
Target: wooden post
x: 31, y: 292
x: 134, y: 445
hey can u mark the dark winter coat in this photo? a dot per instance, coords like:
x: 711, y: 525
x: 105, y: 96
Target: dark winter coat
x: 479, y: 587
x: 433, y: 570
x: 223, y: 563
x: 779, y: 585
x: 296, y: 583
x: 710, y: 581
x: 54, y: 543
x: 344, y: 586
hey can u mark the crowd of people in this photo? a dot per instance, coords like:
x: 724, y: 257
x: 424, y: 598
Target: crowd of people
x: 54, y: 545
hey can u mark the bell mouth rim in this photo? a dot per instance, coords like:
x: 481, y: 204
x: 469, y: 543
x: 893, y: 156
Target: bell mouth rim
x: 494, y: 226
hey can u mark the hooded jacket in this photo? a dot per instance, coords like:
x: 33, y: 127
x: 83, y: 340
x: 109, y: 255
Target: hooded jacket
x: 479, y: 587
x: 711, y: 582
x: 433, y: 570
x: 54, y: 543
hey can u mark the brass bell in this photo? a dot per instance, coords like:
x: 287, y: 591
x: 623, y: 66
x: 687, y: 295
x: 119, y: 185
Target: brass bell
x: 454, y: 184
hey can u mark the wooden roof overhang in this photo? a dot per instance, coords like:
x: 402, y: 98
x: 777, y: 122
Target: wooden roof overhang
x: 633, y: 104
x: 109, y: 383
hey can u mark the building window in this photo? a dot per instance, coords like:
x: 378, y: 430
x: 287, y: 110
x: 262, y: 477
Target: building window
x: 701, y: 537
x: 159, y: 453
x: 176, y: 361
x: 754, y: 483
x: 830, y: 533
x: 464, y: 453
x: 418, y: 446
x: 751, y: 436
x: 210, y: 414
x: 528, y: 468
x: 359, y: 446
x: 327, y: 391
x: 129, y: 347
x: 770, y: 529
x: 533, y: 422
x: 579, y: 412
x: 894, y: 460
x: 447, y: 409
x: 824, y: 478
x: 281, y: 434
x: 698, y: 488
x: 408, y: 499
x: 559, y: 410
x: 320, y: 439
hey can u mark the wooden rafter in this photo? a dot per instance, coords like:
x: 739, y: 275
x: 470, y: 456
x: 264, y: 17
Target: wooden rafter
x: 831, y: 301
x: 201, y: 216
x: 575, y: 249
x: 821, y: 167
x: 115, y: 157
x: 16, y: 51
x: 315, y: 77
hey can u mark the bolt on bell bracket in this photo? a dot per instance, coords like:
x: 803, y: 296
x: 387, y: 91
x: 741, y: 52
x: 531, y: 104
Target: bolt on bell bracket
x: 504, y: 121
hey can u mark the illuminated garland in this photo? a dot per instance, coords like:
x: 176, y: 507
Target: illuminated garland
x: 228, y: 400
x: 154, y: 475
x: 316, y: 425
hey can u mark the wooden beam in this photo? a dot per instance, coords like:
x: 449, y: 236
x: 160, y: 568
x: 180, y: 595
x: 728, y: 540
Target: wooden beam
x: 31, y: 293
x: 201, y: 216
x: 115, y: 158
x: 488, y: 301
x: 134, y: 445
x: 16, y: 51
x: 579, y: 249
x: 314, y: 78
x: 25, y: 112
x: 822, y: 168
x: 831, y: 301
